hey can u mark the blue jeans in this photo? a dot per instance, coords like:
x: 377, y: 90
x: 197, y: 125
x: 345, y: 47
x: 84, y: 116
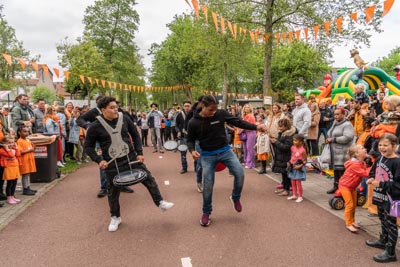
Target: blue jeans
x: 103, y: 179
x: 209, y: 163
x: 198, y: 168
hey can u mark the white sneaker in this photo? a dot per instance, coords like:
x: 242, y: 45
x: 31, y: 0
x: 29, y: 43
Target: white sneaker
x: 59, y: 164
x: 300, y: 199
x: 115, y: 221
x: 164, y: 205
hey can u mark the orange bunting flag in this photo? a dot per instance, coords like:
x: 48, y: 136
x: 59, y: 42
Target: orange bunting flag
x: 66, y: 74
x: 82, y: 78
x: 298, y: 32
x: 252, y: 36
x: 115, y: 86
x: 353, y: 16
x: 327, y: 25
x: 230, y: 27
x: 316, y: 29
x: 369, y: 13
x: 90, y: 79
x: 109, y: 84
x: 277, y: 37
x: 283, y: 37
x: 256, y: 37
x: 130, y: 87
x: 214, y: 16
x: 56, y: 72
x: 235, y: 30
x: 339, y: 23
x: 8, y: 59
x: 22, y: 63
x: 120, y: 86
x: 205, y: 11
x: 103, y: 83
x: 387, y: 5
x: 196, y: 8
x: 222, y: 25
x: 46, y: 69
x: 306, y: 33
x: 97, y: 82
x: 35, y: 66
x: 290, y: 38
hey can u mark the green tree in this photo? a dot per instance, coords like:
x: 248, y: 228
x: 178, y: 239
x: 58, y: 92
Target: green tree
x: 9, y: 44
x: 83, y: 58
x: 42, y: 92
x: 111, y: 25
x: 389, y: 62
x: 296, y: 65
x: 278, y: 16
x: 195, y: 54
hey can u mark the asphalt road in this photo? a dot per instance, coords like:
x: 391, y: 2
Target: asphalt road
x: 68, y: 226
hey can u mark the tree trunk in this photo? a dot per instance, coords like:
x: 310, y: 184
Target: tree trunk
x: 267, y: 83
x: 225, y: 87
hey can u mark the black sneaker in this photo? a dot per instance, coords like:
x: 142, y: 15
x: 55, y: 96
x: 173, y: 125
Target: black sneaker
x: 1, y: 203
x: 102, y: 193
x: 183, y: 171
x: 34, y: 191
x: 28, y: 192
x: 205, y: 220
x: 2, y: 196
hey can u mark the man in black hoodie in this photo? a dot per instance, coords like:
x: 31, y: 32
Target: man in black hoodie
x: 208, y: 127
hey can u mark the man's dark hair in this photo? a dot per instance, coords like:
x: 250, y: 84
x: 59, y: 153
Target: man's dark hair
x: 209, y: 100
x: 103, y: 102
x: 154, y: 104
x: 98, y: 98
x: 40, y: 99
x: 187, y: 102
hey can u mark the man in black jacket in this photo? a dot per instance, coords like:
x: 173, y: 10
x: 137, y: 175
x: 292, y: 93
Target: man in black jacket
x: 84, y: 121
x: 121, y: 144
x: 208, y: 127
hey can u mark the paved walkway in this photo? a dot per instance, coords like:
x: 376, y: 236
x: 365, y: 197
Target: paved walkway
x: 67, y: 226
x: 314, y: 190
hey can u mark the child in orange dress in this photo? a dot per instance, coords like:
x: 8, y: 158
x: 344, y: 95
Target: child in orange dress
x: 28, y: 164
x: 9, y: 154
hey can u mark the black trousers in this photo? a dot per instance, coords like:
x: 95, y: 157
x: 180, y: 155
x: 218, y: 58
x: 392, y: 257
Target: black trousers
x: 10, y: 188
x: 144, y: 133
x: 336, y: 176
x: 113, y: 192
x: 286, y: 181
x: 389, y: 231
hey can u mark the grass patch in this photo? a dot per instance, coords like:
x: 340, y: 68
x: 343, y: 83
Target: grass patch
x: 70, y: 166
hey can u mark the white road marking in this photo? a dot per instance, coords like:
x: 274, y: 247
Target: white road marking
x: 166, y: 182
x: 160, y: 157
x: 186, y: 262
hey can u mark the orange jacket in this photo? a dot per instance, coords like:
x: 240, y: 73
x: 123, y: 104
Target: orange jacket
x: 380, y: 129
x: 8, y: 158
x: 354, y: 172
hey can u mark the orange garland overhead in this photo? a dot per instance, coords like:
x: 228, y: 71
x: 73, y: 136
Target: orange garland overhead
x: 369, y: 13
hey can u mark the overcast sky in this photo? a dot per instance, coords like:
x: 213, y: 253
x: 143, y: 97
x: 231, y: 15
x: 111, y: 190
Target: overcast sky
x: 41, y: 24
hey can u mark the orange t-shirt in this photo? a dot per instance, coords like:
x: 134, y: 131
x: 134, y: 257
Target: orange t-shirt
x: 28, y: 164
